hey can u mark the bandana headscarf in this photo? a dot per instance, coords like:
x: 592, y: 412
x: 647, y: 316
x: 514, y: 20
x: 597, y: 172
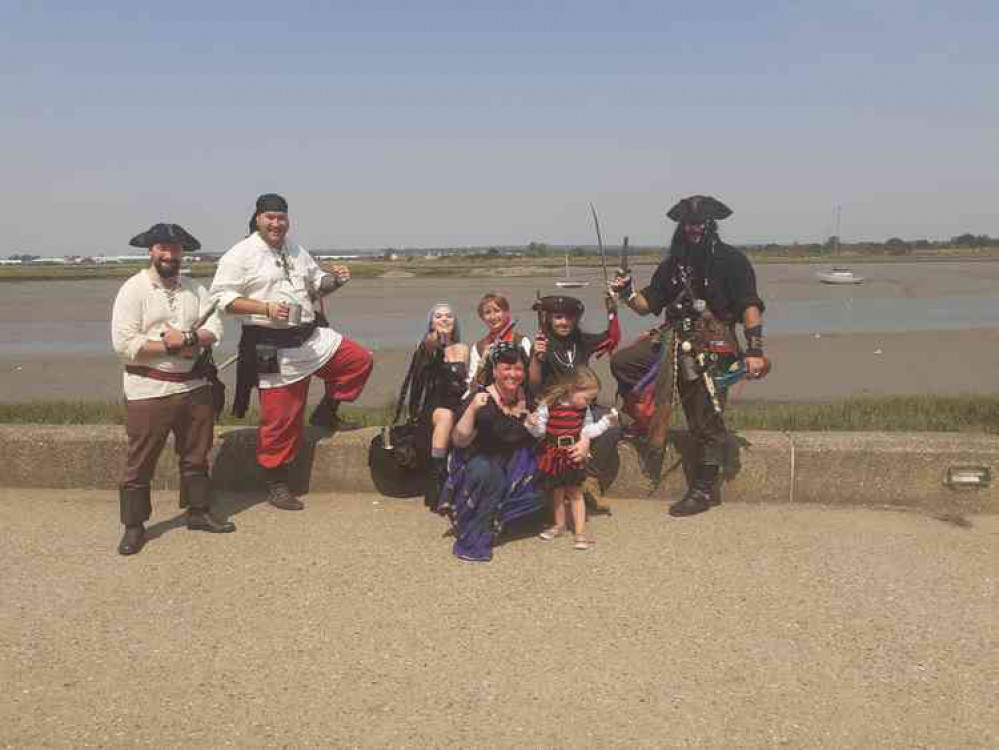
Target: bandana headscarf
x: 505, y: 352
x: 266, y: 203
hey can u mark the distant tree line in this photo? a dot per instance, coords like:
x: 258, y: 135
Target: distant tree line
x: 891, y: 246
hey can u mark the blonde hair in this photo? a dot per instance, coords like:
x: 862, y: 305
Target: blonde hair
x: 580, y: 379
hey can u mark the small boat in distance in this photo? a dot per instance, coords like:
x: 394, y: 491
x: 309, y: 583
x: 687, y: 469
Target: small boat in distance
x: 568, y: 282
x: 839, y: 276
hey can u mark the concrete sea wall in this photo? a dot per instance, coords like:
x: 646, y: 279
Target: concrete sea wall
x: 905, y: 470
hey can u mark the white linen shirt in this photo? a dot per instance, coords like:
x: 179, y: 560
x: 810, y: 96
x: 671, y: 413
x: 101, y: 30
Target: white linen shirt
x: 252, y: 269
x: 142, y: 311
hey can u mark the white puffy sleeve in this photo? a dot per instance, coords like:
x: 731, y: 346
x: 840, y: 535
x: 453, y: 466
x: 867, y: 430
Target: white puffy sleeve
x: 127, y: 336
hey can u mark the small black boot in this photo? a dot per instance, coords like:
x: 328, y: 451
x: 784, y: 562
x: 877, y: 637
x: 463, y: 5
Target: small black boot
x: 278, y: 491
x: 435, y: 482
x: 196, y: 495
x: 701, y: 495
x: 135, y: 507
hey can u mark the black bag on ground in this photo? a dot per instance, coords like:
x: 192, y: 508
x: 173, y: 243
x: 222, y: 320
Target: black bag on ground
x: 397, y: 454
x: 397, y: 469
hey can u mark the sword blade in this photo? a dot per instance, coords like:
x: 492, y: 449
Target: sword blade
x: 600, y: 244
x: 228, y: 363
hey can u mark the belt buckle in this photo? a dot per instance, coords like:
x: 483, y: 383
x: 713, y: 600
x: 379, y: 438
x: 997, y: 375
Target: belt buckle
x: 565, y: 441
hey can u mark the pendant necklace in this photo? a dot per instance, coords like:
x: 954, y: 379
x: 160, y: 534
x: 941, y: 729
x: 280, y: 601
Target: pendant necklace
x: 568, y: 362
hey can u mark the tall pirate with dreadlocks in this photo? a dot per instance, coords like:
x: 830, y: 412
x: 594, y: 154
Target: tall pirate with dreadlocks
x: 710, y: 287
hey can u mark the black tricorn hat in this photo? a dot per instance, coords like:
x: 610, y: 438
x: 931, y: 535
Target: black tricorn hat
x: 559, y: 303
x: 697, y: 209
x: 158, y: 233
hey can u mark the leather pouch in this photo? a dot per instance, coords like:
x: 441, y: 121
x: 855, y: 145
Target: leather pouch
x: 267, y: 359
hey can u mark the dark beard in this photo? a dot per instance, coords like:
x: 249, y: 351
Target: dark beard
x: 167, y: 270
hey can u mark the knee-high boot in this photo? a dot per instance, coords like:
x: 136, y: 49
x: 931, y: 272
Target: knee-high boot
x: 135, y: 508
x: 702, y: 493
x: 436, y: 477
x: 196, y: 496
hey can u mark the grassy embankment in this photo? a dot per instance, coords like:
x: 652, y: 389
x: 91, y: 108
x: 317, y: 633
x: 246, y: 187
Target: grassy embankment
x: 971, y: 414
x: 467, y: 266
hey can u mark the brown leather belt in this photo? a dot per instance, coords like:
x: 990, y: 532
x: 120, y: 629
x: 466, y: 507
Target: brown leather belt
x: 562, y: 441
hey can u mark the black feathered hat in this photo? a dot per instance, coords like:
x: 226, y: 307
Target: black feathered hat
x: 698, y: 209
x: 266, y: 203
x: 159, y: 233
x: 560, y: 304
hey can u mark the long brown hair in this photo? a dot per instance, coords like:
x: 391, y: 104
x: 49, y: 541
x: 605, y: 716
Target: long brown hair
x: 581, y: 378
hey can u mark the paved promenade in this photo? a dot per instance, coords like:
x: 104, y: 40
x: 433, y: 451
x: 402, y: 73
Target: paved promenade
x: 350, y: 625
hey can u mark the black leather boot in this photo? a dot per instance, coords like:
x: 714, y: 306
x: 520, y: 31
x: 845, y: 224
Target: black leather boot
x: 436, y: 478
x: 323, y: 415
x: 135, y: 507
x: 327, y: 415
x: 278, y: 491
x: 196, y: 495
x: 701, y: 495
x: 133, y: 540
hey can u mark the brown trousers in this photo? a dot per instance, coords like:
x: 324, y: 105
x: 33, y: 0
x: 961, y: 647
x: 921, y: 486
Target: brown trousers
x: 707, y: 428
x: 191, y: 418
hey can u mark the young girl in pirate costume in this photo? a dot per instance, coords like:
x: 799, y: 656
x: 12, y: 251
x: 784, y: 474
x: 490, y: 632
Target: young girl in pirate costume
x: 494, y: 311
x: 565, y: 420
x: 560, y: 346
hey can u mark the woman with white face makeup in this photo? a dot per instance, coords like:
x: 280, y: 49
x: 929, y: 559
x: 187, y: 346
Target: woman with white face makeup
x: 440, y: 373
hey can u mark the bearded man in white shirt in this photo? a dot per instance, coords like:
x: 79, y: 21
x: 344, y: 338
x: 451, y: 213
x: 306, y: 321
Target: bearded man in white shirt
x: 274, y: 283
x: 159, y: 325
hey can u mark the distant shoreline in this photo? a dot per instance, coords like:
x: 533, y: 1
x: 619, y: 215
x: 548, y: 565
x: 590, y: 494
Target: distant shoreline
x: 466, y: 266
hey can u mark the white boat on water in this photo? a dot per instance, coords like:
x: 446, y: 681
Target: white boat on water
x: 568, y: 282
x: 839, y: 276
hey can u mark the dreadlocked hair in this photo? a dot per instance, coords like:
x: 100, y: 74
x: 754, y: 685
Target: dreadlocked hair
x: 580, y: 379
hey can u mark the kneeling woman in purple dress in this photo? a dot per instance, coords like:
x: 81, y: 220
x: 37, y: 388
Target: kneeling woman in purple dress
x: 492, y: 476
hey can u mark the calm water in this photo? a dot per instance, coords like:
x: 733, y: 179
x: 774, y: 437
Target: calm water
x: 72, y: 317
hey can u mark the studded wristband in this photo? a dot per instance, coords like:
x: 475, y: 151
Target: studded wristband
x: 754, y: 341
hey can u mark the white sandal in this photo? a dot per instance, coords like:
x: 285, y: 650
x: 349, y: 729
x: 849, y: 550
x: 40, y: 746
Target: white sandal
x: 552, y: 532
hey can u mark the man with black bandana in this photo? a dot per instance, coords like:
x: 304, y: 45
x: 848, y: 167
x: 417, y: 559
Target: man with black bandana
x: 716, y: 280
x: 274, y: 284
x: 159, y: 324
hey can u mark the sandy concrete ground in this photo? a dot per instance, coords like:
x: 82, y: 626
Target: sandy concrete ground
x: 350, y: 625
x: 806, y: 367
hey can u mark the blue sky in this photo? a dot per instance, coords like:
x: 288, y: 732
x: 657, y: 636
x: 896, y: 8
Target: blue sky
x: 446, y: 123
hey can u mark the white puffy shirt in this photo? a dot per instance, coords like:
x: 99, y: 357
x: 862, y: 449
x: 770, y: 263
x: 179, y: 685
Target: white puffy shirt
x: 141, y: 312
x: 252, y: 269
